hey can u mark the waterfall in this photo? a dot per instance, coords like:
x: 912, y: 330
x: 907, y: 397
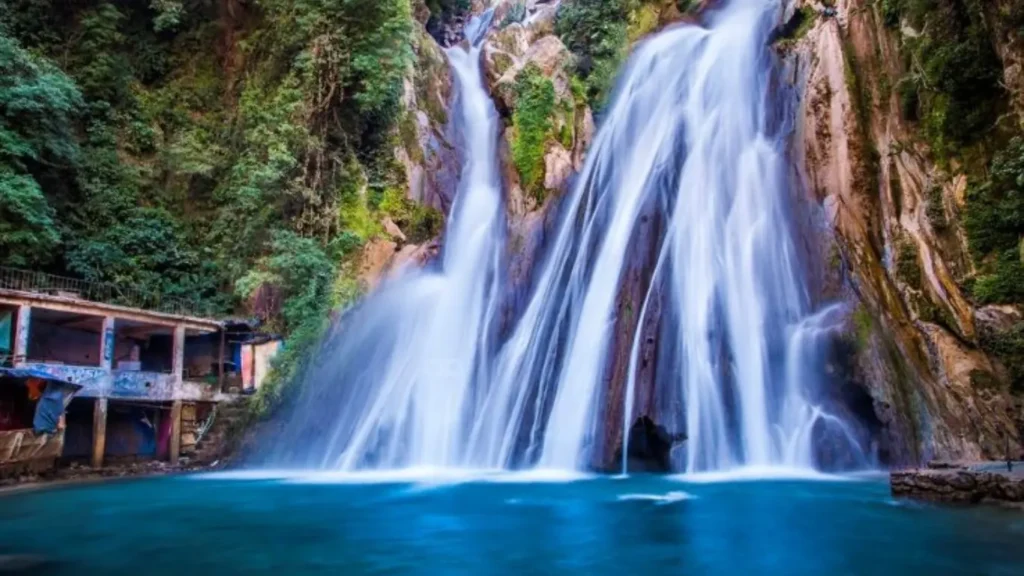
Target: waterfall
x: 421, y: 376
x: 430, y: 327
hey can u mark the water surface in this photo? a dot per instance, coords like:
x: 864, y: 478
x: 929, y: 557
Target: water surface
x: 324, y: 524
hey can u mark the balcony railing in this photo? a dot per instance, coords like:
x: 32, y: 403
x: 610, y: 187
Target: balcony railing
x: 101, y: 292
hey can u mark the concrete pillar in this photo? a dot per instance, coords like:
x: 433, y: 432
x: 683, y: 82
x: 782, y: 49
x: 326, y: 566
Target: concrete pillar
x: 178, y: 361
x: 21, y: 334
x: 175, y: 448
x: 107, y: 343
x: 220, y: 362
x: 99, y: 431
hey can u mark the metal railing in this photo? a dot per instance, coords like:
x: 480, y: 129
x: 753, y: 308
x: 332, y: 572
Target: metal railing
x: 101, y: 292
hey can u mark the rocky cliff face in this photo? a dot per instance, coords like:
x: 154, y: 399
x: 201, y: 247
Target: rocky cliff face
x: 882, y: 215
x: 547, y: 126
x: 894, y: 241
x: 427, y: 152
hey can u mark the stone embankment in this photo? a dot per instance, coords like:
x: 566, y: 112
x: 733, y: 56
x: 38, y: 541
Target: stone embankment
x: 962, y: 483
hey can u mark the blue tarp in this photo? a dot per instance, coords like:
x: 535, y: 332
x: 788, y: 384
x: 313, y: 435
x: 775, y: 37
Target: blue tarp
x: 51, y: 403
x: 49, y: 409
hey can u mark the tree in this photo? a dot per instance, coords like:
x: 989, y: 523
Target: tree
x: 37, y: 105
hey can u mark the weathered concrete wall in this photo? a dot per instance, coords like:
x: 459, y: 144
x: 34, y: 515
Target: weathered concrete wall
x: 18, y: 446
x: 256, y: 362
x: 201, y: 353
x: 99, y: 383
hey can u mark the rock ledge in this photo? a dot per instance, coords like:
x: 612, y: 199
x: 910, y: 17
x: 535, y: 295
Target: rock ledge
x: 961, y: 483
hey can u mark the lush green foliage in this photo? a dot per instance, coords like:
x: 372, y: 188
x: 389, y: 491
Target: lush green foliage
x: 994, y: 221
x: 595, y: 31
x: 27, y: 230
x: 516, y: 13
x: 953, y: 85
x: 531, y: 124
x: 38, y: 104
x: 202, y: 149
x: 600, y: 34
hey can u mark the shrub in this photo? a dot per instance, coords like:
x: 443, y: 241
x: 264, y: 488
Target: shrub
x: 994, y: 221
x: 908, y: 270
x: 532, y: 125
x: 595, y: 31
x: 954, y: 85
x: 516, y: 13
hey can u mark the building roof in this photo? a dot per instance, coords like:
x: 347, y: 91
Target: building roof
x: 71, y: 304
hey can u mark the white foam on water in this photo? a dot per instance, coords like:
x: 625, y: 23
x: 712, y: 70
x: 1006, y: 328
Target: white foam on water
x: 248, y: 475
x: 412, y: 475
x: 539, y: 475
x: 760, y: 473
x: 661, y: 499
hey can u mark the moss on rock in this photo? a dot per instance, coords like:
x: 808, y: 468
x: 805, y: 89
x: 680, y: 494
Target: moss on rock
x: 908, y: 269
x: 531, y: 128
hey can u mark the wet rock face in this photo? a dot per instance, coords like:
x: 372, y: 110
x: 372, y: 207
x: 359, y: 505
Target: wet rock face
x: 650, y: 447
x: 894, y: 216
x: 427, y: 149
x: 630, y: 317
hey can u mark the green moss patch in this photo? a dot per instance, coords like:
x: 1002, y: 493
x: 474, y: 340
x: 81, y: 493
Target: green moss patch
x: 531, y: 128
x: 908, y: 268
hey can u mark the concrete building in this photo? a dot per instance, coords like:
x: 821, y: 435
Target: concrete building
x: 150, y: 379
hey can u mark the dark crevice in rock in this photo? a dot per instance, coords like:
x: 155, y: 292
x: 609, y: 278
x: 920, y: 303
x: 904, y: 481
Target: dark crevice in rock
x: 650, y: 447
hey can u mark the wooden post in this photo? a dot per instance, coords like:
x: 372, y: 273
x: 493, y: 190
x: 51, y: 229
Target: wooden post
x: 21, y: 334
x: 99, y: 431
x: 175, y: 431
x: 220, y: 363
x: 107, y: 343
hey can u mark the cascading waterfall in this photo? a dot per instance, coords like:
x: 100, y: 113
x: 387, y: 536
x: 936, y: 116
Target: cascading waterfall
x: 427, y: 377
x: 431, y: 327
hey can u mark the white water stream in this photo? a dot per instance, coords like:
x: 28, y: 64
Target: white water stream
x: 431, y: 383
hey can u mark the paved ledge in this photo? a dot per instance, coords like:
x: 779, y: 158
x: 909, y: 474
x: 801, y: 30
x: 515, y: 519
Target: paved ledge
x: 961, y: 483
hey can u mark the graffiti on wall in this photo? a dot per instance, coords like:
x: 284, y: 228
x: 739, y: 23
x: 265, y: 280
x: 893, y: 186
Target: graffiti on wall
x: 94, y: 380
x: 100, y: 383
x: 108, y: 346
x: 137, y: 384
